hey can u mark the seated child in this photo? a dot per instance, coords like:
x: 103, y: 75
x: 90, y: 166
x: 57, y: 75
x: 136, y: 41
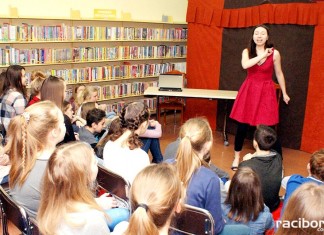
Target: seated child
x: 267, y: 163
x: 95, y: 123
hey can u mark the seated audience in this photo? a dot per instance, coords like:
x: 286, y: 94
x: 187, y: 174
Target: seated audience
x: 304, y: 212
x: 244, y: 203
x: 37, y: 78
x: 67, y: 204
x: 95, y: 123
x: 267, y: 163
x: 32, y: 137
x: 201, y: 184
x: 153, y: 207
x: 89, y: 94
x: 124, y: 155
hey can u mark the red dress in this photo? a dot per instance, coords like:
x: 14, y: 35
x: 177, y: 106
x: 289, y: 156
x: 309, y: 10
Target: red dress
x: 256, y: 101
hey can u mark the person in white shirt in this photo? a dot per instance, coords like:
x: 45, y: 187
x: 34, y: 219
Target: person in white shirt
x: 123, y: 155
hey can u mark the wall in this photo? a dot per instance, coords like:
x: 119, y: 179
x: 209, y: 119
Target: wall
x: 150, y: 10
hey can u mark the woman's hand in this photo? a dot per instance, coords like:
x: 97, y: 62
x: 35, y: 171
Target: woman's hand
x: 286, y: 98
x: 267, y: 52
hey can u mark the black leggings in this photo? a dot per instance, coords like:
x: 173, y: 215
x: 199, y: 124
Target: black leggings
x: 242, y: 129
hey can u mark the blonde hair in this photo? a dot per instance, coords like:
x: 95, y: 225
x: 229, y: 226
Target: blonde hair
x: 155, y: 193
x: 194, y: 134
x: 85, y: 95
x: 27, y: 135
x: 37, y: 78
x: 306, y: 202
x: 67, y: 181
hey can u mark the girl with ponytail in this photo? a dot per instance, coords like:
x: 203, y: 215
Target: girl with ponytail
x: 32, y: 137
x: 123, y: 155
x: 153, y: 207
x: 202, y: 185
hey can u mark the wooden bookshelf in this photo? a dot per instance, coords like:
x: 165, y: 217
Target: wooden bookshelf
x: 65, y: 47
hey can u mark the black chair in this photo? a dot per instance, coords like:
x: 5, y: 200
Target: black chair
x: 33, y: 223
x: 193, y: 220
x: 114, y: 184
x: 11, y: 211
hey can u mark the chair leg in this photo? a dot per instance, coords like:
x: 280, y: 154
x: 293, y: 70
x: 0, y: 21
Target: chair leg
x: 174, y: 117
x: 164, y: 117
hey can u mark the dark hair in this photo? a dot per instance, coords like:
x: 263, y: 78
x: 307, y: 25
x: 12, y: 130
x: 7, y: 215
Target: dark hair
x: 114, y: 132
x: 316, y: 164
x: 53, y: 90
x: 245, y: 196
x: 95, y: 116
x: 131, y: 117
x: 14, y: 75
x: 66, y: 105
x: 2, y: 81
x: 252, y: 46
x: 265, y: 137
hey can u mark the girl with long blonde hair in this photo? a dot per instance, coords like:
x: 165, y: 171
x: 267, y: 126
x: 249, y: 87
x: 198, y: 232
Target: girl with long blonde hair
x: 201, y: 184
x: 67, y: 203
x: 32, y: 137
x: 153, y: 207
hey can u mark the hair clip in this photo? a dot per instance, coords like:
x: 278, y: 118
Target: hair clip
x: 26, y: 115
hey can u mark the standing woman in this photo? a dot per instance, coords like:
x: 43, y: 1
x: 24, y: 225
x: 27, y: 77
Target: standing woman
x: 53, y: 89
x: 13, y: 99
x: 202, y: 185
x: 256, y: 102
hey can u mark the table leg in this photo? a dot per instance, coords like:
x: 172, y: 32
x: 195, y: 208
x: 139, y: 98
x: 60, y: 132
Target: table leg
x: 226, y: 143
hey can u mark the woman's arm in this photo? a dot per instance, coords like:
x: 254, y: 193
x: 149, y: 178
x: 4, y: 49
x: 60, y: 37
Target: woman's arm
x: 19, y: 104
x: 279, y: 75
x: 248, y: 63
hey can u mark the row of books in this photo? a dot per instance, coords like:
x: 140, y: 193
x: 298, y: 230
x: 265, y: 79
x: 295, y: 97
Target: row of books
x: 10, y: 55
x: 113, y: 72
x: 63, y: 32
x: 117, y: 106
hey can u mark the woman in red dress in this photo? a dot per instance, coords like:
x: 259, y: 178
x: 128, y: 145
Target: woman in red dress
x: 256, y: 102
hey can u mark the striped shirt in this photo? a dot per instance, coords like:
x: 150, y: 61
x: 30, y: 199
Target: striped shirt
x: 11, y: 104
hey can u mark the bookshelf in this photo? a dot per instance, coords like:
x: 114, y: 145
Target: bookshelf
x: 121, y: 58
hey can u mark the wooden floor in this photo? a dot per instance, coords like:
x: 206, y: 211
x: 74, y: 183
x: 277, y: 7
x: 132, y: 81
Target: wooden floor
x: 295, y: 161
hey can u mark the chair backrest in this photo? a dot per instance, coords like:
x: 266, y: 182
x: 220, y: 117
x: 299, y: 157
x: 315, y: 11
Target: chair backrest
x: 34, y: 226
x: 113, y: 183
x: 11, y: 211
x: 193, y: 220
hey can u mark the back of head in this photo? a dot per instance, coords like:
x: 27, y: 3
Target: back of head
x: 265, y: 137
x: 245, y: 196
x: 53, y: 89
x: 28, y: 135
x: 95, y: 116
x: 194, y: 134
x: 316, y: 164
x: 86, y: 107
x: 14, y: 75
x: 2, y: 81
x: 155, y: 193
x: 68, y: 179
x: 131, y: 117
x: 37, y: 78
x: 304, y: 212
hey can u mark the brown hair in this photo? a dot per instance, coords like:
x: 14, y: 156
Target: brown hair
x: 245, y: 196
x: 86, y: 107
x: 194, y: 134
x: 131, y: 118
x: 14, y: 75
x: 67, y: 180
x: 153, y: 205
x: 37, y: 78
x: 53, y: 89
x: 27, y: 135
x: 307, y: 203
x: 316, y: 164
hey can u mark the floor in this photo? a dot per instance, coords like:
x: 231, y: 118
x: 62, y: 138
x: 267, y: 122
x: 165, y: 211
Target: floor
x: 295, y: 161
